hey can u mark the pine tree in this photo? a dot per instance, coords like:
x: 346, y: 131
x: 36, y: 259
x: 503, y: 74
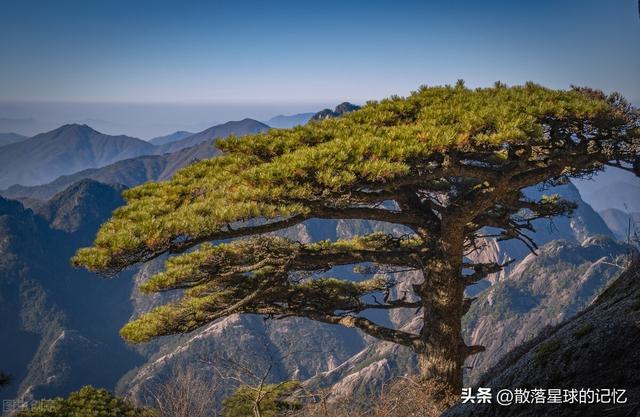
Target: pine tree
x: 448, y: 163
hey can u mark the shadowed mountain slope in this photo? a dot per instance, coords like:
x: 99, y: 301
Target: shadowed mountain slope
x: 128, y: 172
x: 61, y: 323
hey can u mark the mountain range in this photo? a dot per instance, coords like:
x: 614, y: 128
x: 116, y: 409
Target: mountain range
x: 63, y: 323
x: 156, y: 162
x: 68, y: 149
x: 74, y: 148
x: 54, y: 309
x: 128, y: 172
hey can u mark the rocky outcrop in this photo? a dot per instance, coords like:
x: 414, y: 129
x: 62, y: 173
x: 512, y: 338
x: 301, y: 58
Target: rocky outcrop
x: 340, y: 109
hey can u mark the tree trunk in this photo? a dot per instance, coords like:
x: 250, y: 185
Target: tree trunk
x: 441, y: 351
x: 257, y: 412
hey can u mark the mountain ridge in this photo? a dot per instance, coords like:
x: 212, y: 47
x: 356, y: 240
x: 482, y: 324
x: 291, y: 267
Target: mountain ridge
x: 10, y: 137
x: 282, y: 121
x: 67, y: 149
x: 157, y: 163
x: 242, y: 127
x: 128, y: 172
x: 172, y: 137
x: 338, y: 111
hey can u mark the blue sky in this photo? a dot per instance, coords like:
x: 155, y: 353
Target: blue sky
x: 308, y: 51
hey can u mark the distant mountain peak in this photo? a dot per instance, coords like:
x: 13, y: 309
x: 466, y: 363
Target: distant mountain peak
x: 341, y: 109
x: 345, y: 107
x: 71, y: 129
x: 76, y: 127
x: 245, y: 121
x: 242, y: 127
x: 65, y: 150
x: 289, y: 121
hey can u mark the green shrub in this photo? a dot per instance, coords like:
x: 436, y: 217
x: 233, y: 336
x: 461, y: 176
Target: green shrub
x: 88, y: 402
x: 274, y: 400
x: 583, y: 330
x: 545, y: 350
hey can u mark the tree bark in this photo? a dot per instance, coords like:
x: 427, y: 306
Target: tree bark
x: 441, y: 350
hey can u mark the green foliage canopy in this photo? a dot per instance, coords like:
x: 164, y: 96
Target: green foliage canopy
x: 452, y: 159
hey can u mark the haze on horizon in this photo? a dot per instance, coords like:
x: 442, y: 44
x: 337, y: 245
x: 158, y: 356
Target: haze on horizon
x: 148, y: 68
